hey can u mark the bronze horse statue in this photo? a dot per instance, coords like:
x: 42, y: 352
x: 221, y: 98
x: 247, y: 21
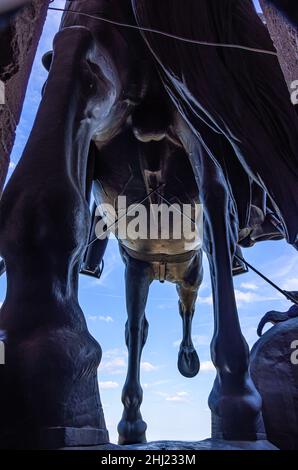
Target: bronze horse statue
x: 121, y: 101
x: 139, y: 160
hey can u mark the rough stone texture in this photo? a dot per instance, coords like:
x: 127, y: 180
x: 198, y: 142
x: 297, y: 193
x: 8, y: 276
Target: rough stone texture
x: 276, y: 378
x: 285, y: 38
x: 18, y: 47
x: 207, y: 444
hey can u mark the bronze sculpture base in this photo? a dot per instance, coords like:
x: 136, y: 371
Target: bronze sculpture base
x: 206, y: 444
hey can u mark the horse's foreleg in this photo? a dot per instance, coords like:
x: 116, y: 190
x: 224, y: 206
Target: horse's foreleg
x: 49, y: 390
x: 234, y: 400
x: 138, y: 277
x: 188, y: 360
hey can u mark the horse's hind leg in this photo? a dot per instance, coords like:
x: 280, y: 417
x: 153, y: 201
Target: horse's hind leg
x: 49, y: 389
x: 234, y: 400
x: 188, y: 360
x: 138, y: 277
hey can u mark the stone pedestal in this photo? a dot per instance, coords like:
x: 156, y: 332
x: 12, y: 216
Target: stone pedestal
x: 18, y: 47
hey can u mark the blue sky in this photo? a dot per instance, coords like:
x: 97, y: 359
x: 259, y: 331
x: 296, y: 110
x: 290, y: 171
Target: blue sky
x: 174, y: 407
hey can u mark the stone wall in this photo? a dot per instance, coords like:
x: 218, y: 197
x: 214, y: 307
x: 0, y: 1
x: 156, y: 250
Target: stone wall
x: 285, y: 38
x: 18, y: 47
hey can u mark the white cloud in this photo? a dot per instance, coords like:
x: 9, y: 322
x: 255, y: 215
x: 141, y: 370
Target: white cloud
x: 207, y: 366
x: 92, y: 317
x: 108, y: 385
x: 155, y: 384
x: 113, y: 363
x: 115, y: 366
x: 106, y: 319
x: 171, y: 303
x: 12, y: 165
x: 249, y: 286
x: 198, y: 340
x: 291, y: 284
x: 148, y: 367
x: 250, y: 297
x: 205, y: 300
x: 179, y: 397
x: 246, y: 296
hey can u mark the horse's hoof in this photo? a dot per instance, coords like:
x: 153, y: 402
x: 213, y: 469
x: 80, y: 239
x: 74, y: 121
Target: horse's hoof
x: 188, y: 361
x: 226, y: 427
x: 237, y: 416
x: 132, y: 432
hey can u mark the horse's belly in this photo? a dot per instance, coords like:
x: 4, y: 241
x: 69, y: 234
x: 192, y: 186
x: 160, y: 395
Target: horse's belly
x: 167, y: 247
x: 148, y: 235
